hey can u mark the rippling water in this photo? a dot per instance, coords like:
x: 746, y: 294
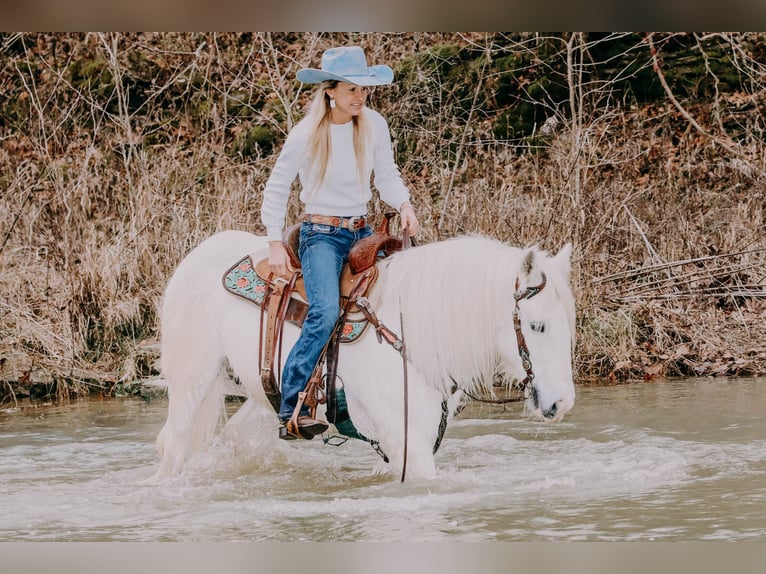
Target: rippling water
x: 674, y: 460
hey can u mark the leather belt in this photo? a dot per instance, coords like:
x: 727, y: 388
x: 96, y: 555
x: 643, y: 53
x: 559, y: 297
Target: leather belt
x: 354, y: 222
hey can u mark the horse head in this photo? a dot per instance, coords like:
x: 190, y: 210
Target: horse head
x: 536, y: 343
x: 460, y: 300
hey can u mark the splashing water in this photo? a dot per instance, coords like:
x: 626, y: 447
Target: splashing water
x: 680, y: 460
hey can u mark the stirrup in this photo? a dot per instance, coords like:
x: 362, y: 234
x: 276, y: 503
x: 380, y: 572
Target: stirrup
x: 305, y: 432
x: 285, y: 434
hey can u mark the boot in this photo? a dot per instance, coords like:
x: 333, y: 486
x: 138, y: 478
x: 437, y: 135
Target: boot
x: 308, y: 428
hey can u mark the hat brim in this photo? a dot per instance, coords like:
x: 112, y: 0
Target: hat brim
x: 376, y: 76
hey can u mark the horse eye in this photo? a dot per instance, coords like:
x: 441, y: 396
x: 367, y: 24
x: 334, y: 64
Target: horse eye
x: 537, y: 326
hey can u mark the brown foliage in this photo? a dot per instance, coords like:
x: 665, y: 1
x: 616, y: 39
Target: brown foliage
x: 121, y: 152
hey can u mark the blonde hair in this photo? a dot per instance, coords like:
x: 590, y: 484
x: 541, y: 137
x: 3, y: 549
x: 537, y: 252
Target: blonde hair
x: 320, y: 145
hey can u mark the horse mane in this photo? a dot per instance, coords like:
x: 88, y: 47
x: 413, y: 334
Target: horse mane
x: 453, y: 295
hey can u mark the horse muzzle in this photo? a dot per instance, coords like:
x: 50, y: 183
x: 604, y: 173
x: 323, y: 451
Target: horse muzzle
x: 554, y: 413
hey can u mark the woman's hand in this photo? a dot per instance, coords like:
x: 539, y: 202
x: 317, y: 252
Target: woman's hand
x: 279, y: 262
x: 408, y: 219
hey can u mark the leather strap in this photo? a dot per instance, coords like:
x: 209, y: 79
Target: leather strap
x: 286, y: 297
x: 406, y: 398
x: 266, y: 356
x: 405, y: 244
x: 353, y: 222
x: 381, y: 330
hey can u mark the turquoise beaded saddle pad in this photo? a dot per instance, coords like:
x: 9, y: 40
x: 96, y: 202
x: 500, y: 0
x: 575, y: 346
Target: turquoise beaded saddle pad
x: 244, y: 280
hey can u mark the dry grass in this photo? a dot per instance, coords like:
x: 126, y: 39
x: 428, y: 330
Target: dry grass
x: 102, y: 195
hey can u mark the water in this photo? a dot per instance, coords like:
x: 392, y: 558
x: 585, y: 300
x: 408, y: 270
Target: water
x: 673, y: 460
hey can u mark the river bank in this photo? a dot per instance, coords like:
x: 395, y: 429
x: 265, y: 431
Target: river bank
x: 730, y: 344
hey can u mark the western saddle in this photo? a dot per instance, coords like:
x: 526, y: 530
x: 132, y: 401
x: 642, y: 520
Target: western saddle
x: 285, y: 300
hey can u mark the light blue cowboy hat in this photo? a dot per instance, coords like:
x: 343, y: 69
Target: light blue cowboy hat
x: 347, y: 64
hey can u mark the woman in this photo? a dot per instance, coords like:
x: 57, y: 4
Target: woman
x: 333, y: 150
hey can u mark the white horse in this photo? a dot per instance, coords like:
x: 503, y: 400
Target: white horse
x: 455, y: 300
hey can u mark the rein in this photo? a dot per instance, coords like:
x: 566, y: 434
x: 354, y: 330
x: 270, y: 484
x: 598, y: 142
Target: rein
x: 383, y: 332
x: 405, y: 245
x: 521, y: 343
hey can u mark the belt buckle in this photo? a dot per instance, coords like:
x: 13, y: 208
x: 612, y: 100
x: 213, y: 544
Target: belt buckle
x: 352, y: 221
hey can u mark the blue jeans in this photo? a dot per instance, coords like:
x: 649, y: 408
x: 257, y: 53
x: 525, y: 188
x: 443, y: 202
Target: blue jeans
x: 323, y: 251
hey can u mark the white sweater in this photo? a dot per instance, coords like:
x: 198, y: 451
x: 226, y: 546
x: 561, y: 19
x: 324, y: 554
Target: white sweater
x: 341, y: 192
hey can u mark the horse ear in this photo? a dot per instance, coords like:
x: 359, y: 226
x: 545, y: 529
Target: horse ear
x: 528, y: 262
x: 530, y: 265
x: 563, y: 259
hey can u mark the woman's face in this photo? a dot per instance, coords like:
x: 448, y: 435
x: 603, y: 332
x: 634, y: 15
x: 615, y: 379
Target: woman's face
x: 349, y: 101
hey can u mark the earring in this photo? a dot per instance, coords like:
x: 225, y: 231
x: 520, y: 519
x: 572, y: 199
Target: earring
x: 332, y: 102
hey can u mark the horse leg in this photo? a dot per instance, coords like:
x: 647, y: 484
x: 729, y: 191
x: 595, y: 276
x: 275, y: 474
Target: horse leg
x: 195, y: 408
x: 375, y: 392
x: 256, y: 413
x: 192, y: 365
x: 424, y: 417
x: 196, y: 378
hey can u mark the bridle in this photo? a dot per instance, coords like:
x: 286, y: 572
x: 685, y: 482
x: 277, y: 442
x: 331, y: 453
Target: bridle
x: 526, y: 362
x: 525, y: 385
